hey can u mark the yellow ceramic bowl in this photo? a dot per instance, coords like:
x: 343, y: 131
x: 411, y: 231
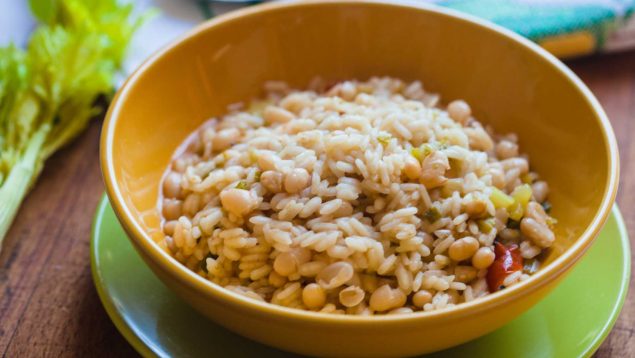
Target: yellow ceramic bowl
x: 511, y: 84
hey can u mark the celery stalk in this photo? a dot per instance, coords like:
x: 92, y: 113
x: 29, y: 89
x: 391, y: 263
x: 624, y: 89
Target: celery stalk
x: 15, y: 187
x: 48, y: 91
x: 500, y: 199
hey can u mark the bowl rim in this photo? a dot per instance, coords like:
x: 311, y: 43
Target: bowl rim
x: 143, y: 242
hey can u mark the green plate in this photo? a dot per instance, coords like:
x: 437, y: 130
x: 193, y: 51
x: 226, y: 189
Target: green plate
x: 571, y: 322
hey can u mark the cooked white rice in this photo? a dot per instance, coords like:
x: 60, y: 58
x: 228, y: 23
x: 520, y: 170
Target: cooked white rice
x: 361, y: 198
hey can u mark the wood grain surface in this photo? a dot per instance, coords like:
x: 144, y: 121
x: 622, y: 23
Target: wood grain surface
x: 49, y: 306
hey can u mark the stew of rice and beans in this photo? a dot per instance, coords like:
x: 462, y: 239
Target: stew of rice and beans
x: 357, y: 198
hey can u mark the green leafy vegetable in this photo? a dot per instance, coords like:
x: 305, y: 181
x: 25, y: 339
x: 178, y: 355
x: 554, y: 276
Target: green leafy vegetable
x: 48, y: 92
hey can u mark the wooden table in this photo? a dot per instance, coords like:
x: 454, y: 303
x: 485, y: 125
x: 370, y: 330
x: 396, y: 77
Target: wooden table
x: 49, y: 306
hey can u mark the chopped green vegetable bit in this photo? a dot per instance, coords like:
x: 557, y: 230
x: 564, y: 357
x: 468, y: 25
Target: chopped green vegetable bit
x: 422, y: 152
x: 522, y: 194
x: 242, y: 185
x: 515, y: 211
x: 487, y: 225
x: 257, y: 176
x: 432, y: 215
x: 520, y: 198
x: 417, y: 153
x: 500, y: 199
x: 384, y: 139
x: 513, y: 224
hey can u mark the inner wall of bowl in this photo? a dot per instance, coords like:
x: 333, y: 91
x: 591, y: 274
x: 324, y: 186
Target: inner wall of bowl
x: 508, y: 85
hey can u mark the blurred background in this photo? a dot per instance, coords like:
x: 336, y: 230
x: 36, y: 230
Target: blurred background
x: 567, y: 28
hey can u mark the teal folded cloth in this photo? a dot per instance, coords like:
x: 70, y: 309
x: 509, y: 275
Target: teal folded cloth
x: 583, y: 25
x: 565, y: 27
x: 539, y: 18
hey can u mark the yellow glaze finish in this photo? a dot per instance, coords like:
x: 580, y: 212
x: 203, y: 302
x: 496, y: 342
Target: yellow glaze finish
x: 511, y: 83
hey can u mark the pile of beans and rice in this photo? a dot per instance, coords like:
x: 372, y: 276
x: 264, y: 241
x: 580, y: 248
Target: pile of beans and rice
x: 355, y: 198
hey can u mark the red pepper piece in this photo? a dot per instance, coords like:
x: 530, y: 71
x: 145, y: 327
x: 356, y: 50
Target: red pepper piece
x: 507, y: 261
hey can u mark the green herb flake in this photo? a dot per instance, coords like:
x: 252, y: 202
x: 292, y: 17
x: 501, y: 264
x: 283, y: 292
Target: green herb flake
x: 257, y: 176
x: 384, y: 139
x: 242, y: 185
x: 432, y: 215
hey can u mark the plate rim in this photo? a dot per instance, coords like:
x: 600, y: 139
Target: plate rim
x: 115, y: 316
x: 145, y: 349
x: 624, y: 284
